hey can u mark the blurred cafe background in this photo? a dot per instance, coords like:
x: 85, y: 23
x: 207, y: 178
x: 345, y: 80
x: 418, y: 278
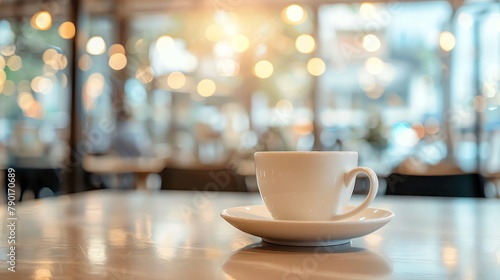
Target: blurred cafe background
x: 157, y: 94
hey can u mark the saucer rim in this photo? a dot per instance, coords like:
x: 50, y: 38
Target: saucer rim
x: 224, y: 213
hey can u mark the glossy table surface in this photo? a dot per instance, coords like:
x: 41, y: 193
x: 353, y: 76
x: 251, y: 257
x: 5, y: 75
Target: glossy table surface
x: 180, y: 235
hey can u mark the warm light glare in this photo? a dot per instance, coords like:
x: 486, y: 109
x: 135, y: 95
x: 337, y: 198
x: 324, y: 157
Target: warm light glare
x: 367, y: 11
x: 56, y: 60
x: 206, y: 88
x: 374, y: 65
x: 223, y: 49
x: 419, y: 129
x: 214, y: 33
x: 294, y: 14
x: 67, y: 30
x: 85, y: 62
x: 176, y: 80
x: 14, y: 63
x: 117, y: 61
x: 446, y: 41
x: 9, y: 87
x: 45, y: 85
x: 96, y: 45
x: 8, y: 50
x: 64, y: 80
x: 376, y: 92
x: 316, y: 66
x: 3, y: 76
x: 284, y: 106
x: 263, y: 69
x: 144, y: 74
x: 25, y: 100
x: 164, y: 43
x: 94, y: 85
x: 371, y: 43
x: 35, y: 82
x: 116, y: 48
x: 304, y: 127
x: 305, y: 43
x: 48, y: 55
x: 240, y: 43
x: 450, y: 256
x: 2, y: 62
x: 227, y: 67
x: 41, y: 20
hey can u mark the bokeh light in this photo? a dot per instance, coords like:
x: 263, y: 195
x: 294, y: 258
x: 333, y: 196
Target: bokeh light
x: 431, y: 125
x: 263, y: 69
x: 41, y: 84
x: 376, y: 92
x: 371, y: 43
x: 367, y: 11
x: 67, y: 30
x: 54, y: 59
x: 8, y: 50
x: 117, y: 61
x: 94, y: 85
x: 404, y: 135
x: 25, y: 100
x: 116, y: 48
x: 419, y: 129
x: 305, y: 43
x: 284, y: 107
x: 14, y: 63
x: 206, y: 88
x: 3, y: 76
x: 228, y: 67
x: 48, y: 55
x: 316, y: 66
x: 214, y: 33
x: 96, y: 45
x: 144, y: 74
x: 303, y: 127
x: 164, y: 43
x: 41, y: 20
x: 176, y: 80
x: 446, y: 41
x: 294, y: 14
x: 240, y: 43
x: 9, y: 87
x: 374, y: 65
x: 85, y: 62
x: 223, y: 49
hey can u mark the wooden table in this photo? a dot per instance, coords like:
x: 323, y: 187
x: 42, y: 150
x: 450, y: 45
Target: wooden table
x: 180, y: 235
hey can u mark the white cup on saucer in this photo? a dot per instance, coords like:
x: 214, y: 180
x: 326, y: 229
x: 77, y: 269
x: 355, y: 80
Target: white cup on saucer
x: 311, y: 186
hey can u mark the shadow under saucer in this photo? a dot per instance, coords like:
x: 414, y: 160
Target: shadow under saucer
x: 267, y: 261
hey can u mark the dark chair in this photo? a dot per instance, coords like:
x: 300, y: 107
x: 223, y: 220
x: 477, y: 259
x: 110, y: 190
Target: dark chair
x: 202, y: 180
x: 459, y: 185
x: 35, y: 179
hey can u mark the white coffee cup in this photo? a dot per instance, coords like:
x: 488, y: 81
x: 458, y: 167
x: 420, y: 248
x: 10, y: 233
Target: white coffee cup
x: 310, y: 186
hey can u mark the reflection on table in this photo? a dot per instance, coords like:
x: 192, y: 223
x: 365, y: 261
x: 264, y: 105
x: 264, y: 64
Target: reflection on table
x: 179, y: 235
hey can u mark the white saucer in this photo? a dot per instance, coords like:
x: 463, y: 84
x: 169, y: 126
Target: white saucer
x: 257, y: 221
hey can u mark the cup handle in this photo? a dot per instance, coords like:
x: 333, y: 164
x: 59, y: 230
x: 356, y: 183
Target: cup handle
x: 348, y: 178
